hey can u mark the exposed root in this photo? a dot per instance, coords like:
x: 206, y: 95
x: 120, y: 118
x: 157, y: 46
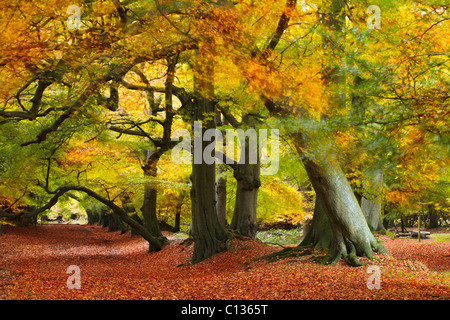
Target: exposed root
x: 186, y: 243
x: 288, y: 252
x: 348, y: 251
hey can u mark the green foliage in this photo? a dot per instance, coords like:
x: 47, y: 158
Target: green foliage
x: 282, y: 237
x: 440, y: 237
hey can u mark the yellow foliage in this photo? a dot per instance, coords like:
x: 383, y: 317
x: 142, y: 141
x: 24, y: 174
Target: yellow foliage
x: 279, y: 202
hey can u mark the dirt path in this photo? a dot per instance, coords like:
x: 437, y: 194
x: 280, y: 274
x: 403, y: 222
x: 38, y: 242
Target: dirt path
x: 33, y: 264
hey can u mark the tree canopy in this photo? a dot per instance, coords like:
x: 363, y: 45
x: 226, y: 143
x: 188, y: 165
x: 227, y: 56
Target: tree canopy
x: 93, y: 91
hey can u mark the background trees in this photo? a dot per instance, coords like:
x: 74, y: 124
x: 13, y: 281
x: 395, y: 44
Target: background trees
x: 92, y: 109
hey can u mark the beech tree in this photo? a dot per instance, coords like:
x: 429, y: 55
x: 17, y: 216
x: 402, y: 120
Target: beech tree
x: 309, y: 68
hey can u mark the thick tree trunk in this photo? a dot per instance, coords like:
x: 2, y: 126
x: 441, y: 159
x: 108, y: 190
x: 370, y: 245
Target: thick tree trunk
x: 351, y: 234
x: 248, y: 182
x: 148, y: 208
x: 209, y: 236
x: 433, y: 217
x: 221, y: 195
x: 318, y: 233
x: 244, y: 216
x: 371, y: 203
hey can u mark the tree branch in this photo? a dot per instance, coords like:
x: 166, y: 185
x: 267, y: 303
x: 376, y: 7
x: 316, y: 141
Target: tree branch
x: 154, y: 243
x: 283, y: 23
x: 116, y: 74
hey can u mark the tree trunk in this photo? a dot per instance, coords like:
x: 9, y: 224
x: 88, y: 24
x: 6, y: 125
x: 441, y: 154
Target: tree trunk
x: 402, y: 222
x: 371, y: 203
x: 176, y: 228
x: 136, y: 218
x: 221, y: 196
x: 433, y: 217
x: 248, y: 182
x: 152, y: 157
x: 148, y: 208
x: 209, y: 236
x: 351, y: 235
x: 318, y: 233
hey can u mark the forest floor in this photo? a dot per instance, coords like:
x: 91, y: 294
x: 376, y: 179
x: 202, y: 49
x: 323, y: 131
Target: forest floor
x: 34, y: 261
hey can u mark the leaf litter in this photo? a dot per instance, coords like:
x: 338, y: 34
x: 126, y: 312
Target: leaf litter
x: 34, y: 261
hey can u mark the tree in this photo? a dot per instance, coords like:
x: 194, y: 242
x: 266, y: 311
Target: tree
x: 312, y: 69
x: 371, y: 201
x: 246, y: 171
x: 160, y: 145
x: 209, y: 236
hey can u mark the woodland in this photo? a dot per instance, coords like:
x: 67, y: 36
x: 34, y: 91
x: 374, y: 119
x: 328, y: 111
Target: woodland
x: 224, y: 149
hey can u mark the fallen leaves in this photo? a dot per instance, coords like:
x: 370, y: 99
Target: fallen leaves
x: 34, y: 261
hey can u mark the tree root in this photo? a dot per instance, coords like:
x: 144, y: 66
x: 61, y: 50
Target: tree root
x: 288, y: 252
x: 350, y: 253
x: 345, y: 250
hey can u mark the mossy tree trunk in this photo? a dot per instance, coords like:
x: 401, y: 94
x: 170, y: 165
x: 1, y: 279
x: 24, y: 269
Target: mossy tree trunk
x: 351, y: 236
x: 318, y: 233
x: 371, y: 201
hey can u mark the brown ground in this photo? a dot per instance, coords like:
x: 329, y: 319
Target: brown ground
x: 33, y: 264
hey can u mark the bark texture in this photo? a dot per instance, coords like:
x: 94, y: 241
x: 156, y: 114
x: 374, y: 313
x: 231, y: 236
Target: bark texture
x: 221, y: 196
x: 318, y: 233
x: 371, y: 202
x: 351, y: 235
x: 148, y: 208
x: 248, y: 182
x: 209, y: 236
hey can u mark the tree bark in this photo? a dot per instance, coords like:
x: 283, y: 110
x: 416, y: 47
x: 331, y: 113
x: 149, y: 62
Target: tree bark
x: 433, y: 217
x: 351, y: 235
x: 318, y: 233
x: 221, y: 195
x: 371, y: 202
x: 177, y: 225
x: 148, y: 208
x: 247, y: 176
x: 209, y: 236
x: 248, y: 182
